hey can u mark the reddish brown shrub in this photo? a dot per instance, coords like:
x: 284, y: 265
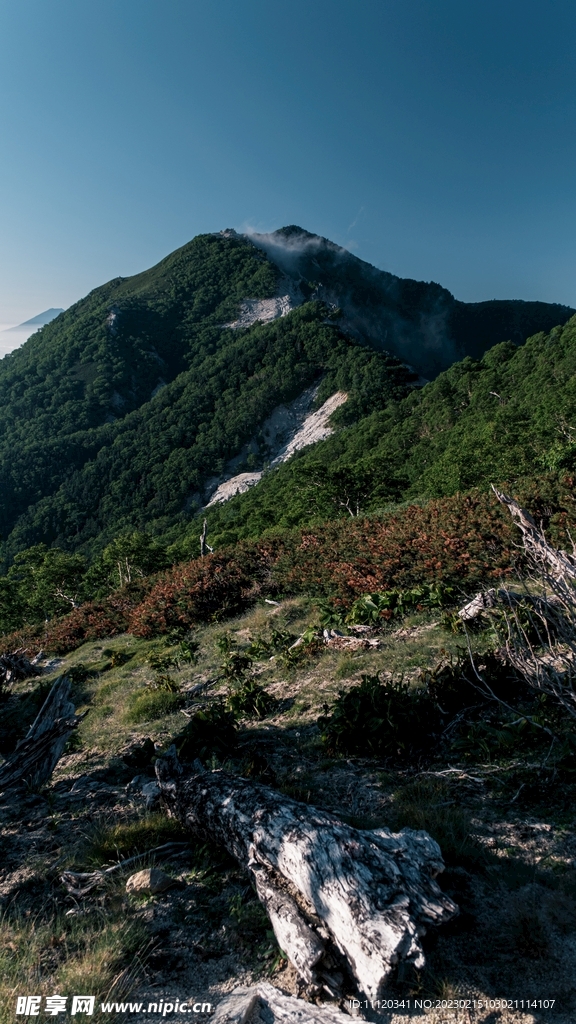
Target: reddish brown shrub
x: 463, y: 540
x: 212, y: 587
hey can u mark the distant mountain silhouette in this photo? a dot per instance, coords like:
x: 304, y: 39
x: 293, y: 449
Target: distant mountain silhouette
x: 37, y: 321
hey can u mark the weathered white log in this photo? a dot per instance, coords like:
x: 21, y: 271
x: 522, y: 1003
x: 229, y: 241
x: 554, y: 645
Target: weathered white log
x: 339, y: 898
x: 290, y: 926
x: 35, y: 757
x: 243, y: 1006
x: 488, y: 599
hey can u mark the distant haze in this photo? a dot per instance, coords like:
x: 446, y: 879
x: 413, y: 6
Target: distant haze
x: 13, y: 337
x: 40, y: 320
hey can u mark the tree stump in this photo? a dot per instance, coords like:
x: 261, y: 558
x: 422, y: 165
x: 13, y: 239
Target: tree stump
x: 35, y: 757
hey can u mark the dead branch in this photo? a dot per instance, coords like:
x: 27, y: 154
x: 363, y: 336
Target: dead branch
x: 558, y: 563
x: 79, y: 883
x: 204, y: 545
x: 16, y: 666
x: 544, y: 651
x: 35, y: 757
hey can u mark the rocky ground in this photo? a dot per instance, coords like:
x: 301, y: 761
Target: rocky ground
x: 506, y: 829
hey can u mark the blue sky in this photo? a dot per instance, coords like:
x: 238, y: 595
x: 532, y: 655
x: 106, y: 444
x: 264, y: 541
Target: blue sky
x: 435, y: 138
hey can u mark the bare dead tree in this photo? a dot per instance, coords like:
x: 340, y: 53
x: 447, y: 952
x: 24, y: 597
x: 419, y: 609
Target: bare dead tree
x: 72, y: 600
x: 204, y: 545
x: 540, y: 631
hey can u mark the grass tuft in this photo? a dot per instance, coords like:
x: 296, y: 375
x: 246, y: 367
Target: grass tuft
x: 112, y: 842
x: 429, y: 805
x: 65, y: 954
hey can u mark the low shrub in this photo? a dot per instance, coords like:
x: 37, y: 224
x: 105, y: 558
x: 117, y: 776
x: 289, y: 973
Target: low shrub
x: 371, y: 608
x: 381, y: 717
x: 165, y: 682
x: 211, y: 732
x: 250, y: 700
x: 475, y: 712
x: 462, y: 540
x: 149, y: 705
x: 80, y: 673
x: 236, y: 661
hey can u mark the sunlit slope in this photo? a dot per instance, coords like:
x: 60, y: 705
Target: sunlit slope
x: 115, y: 415
x: 511, y: 415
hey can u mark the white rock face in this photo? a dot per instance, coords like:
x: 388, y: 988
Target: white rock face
x: 286, y: 420
x: 315, y: 428
x: 236, y: 485
x: 254, y: 311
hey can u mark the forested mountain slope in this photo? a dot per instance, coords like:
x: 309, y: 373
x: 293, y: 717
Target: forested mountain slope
x: 143, y: 470
x: 509, y: 416
x: 115, y: 415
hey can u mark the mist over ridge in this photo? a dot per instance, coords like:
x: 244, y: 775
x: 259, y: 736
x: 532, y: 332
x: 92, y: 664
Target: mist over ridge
x: 419, y: 322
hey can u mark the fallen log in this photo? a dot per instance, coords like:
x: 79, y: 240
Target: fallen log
x: 35, y: 757
x: 341, y: 900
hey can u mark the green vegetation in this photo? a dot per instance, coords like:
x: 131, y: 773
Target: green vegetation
x: 89, y: 452
x: 102, y: 484
x: 506, y: 417
x: 112, y: 421
x: 58, y: 953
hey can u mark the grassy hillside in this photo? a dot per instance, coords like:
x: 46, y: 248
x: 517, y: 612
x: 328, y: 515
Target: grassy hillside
x: 490, y: 791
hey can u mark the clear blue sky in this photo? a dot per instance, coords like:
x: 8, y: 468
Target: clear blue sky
x: 435, y: 138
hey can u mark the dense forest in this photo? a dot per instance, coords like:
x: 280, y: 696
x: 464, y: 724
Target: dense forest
x: 116, y: 415
x: 503, y: 418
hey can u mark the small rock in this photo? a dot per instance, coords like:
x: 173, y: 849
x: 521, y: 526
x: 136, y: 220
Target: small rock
x: 150, y: 880
x: 151, y: 794
x: 142, y: 787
